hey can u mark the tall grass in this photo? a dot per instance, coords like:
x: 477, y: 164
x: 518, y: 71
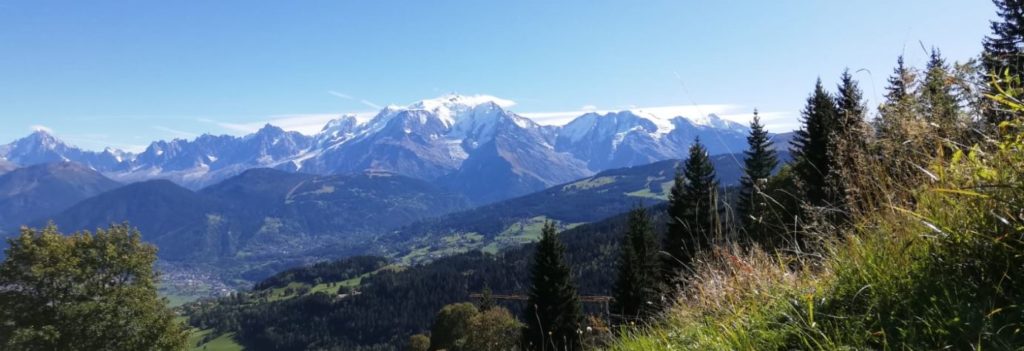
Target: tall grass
x: 932, y: 259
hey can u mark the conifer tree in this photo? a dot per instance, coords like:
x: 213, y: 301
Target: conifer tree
x: 636, y: 293
x: 810, y: 146
x: 899, y: 83
x: 898, y: 105
x: 1003, y: 52
x: 487, y: 300
x: 553, y: 314
x: 848, y: 141
x: 939, y: 104
x: 1003, y: 49
x: 761, y: 160
x: 849, y: 103
x: 900, y: 130
x: 693, y: 215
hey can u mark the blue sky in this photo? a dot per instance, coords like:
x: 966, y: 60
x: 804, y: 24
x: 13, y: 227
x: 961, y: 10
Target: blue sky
x: 124, y: 73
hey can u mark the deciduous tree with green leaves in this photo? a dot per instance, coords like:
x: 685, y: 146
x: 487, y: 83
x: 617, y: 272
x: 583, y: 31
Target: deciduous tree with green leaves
x: 83, y: 292
x: 451, y: 326
x: 418, y: 342
x: 493, y: 329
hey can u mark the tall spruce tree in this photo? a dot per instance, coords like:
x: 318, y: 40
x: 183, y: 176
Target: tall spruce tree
x: 1004, y: 50
x: 810, y: 146
x: 636, y: 292
x: 849, y: 103
x: 761, y: 160
x: 900, y: 130
x: 553, y: 314
x: 848, y: 141
x: 693, y: 215
x: 898, y: 105
x: 939, y: 103
x: 899, y: 83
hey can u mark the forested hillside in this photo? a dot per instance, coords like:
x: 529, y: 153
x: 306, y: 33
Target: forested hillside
x: 391, y: 305
x: 513, y: 222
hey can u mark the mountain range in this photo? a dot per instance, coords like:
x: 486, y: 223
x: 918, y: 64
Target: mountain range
x: 263, y: 220
x: 44, y: 189
x: 468, y: 144
x: 262, y: 213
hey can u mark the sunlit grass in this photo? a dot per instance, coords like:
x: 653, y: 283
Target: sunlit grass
x: 942, y: 274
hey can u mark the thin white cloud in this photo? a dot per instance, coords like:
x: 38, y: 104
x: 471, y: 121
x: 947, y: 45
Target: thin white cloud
x: 588, y: 108
x: 234, y: 127
x: 368, y: 103
x: 563, y: 117
x: 133, y: 148
x: 555, y: 118
x: 100, y: 142
x: 308, y: 123
x: 341, y: 95
x: 312, y: 123
x: 41, y: 128
x: 775, y: 120
x: 175, y: 132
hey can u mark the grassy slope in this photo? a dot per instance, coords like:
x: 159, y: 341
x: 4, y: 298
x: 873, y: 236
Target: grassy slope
x: 224, y: 342
x: 946, y: 274
x: 175, y: 300
x: 521, y: 232
x: 330, y: 287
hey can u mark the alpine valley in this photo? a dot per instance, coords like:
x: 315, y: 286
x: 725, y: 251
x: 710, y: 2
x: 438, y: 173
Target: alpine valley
x: 415, y: 183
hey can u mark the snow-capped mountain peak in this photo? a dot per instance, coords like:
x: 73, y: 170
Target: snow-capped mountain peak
x: 337, y: 130
x: 714, y: 121
x: 666, y: 119
x: 610, y: 123
x: 459, y: 102
x: 637, y: 136
x: 346, y: 122
x: 43, y: 147
x: 42, y: 139
x: 118, y: 154
x: 38, y: 147
x: 450, y: 108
